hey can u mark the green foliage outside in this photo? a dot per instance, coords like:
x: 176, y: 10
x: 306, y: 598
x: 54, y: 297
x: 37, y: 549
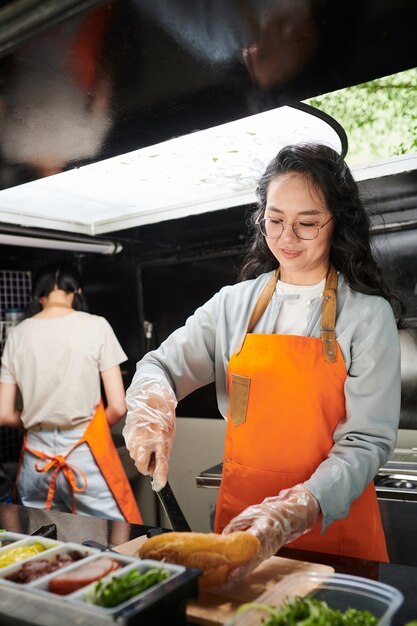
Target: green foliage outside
x: 379, y: 117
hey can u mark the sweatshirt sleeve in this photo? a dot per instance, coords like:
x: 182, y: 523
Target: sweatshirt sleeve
x: 366, y: 437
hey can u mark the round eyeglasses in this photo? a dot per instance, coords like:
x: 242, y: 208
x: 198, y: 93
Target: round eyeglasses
x: 273, y: 229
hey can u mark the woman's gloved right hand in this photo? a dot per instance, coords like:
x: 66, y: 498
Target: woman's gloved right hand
x: 149, y: 429
x: 275, y: 521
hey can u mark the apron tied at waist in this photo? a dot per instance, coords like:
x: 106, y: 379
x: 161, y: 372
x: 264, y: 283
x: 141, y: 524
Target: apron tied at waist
x: 69, y: 470
x: 97, y: 436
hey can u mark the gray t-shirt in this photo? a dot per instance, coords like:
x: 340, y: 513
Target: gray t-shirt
x: 55, y: 362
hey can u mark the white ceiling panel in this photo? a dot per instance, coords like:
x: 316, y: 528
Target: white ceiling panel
x: 204, y: 171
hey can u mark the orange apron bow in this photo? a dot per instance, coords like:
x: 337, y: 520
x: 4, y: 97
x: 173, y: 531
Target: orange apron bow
x: 60, y: 464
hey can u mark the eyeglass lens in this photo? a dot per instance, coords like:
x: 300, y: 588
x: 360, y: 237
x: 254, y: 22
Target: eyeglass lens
x: 273, y: 229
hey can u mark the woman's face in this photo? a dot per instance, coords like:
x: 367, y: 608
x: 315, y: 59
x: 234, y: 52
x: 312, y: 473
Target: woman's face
x: 292, y: 198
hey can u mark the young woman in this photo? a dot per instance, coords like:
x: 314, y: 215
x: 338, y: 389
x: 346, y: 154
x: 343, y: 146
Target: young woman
x: 56, y: 358
x: 305, y: 355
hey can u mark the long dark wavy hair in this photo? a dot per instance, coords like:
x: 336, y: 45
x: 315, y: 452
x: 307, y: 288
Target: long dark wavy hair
x: 350, y: 252
x: 56, y: 276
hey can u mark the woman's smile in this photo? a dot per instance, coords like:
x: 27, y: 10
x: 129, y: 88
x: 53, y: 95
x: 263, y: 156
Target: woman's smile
x: 290, y: 254
x: 292, y: 200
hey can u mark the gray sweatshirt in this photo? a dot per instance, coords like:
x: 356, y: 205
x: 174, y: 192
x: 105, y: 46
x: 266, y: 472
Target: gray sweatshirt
x: 198, y: 354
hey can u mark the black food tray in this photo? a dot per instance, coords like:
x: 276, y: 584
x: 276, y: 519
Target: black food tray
x: 166, y: 605
x: 32, y: 604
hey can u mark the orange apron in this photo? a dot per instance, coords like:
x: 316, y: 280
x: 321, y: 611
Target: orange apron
x: 98, y: 437
x: 286, y: 397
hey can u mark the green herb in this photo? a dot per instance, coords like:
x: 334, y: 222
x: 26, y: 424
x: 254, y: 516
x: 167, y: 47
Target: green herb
x: 308, y: 611
x: 113, y: 592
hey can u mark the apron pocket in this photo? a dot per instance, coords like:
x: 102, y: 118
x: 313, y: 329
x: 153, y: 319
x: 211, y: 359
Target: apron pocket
x: 242, y: 486
x: 239, y: 398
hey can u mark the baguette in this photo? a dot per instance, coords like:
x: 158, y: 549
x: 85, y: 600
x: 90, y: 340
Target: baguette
x: 215, y: 555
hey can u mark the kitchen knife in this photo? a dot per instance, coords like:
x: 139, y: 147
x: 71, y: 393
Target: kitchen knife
x: 172, y: 509
x: 169, y: 502
x: 90, y: 543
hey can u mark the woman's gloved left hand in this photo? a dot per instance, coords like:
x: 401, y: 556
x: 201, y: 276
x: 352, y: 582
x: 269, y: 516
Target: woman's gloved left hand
x: 149, y: 428
x: 275, y: 522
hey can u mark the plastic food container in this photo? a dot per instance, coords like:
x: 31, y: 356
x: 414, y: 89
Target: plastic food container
x: 7, y: 538
x: 142, y: 566
x: 339, y: 591
x: 25, y: 542
x: 95, y: 555
x: 50, y: 555
x: 33, y: 603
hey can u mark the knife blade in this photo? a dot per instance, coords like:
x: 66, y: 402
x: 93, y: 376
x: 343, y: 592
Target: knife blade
x: 172, y: 509
x: 169, y: 502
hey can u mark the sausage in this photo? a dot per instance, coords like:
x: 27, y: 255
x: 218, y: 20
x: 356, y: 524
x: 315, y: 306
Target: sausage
x: 67, y: 582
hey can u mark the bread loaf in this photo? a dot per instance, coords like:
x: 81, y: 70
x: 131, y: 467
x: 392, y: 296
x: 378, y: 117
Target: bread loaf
x: 216, y: 555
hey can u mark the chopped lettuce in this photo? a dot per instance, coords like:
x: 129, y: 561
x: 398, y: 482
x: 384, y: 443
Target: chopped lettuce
x: 118, y: 589
x: 308, y: 611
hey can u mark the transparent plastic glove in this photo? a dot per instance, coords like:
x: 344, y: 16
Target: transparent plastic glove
x: 275, y: 522
x: 149, y: 429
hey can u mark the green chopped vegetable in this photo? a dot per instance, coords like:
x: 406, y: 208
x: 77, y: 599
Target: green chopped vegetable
x: 308, y: 611
x: 118, y: 589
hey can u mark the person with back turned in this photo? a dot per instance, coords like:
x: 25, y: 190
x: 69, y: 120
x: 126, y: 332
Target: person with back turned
x: 305, y: 354
x: 56, y: 358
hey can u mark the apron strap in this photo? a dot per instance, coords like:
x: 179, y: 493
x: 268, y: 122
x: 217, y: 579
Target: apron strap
x: 260, y: 306
x: 328, y: 317
x: 263, y: 301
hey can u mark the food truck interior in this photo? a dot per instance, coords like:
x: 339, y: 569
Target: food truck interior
x: 85, y: 82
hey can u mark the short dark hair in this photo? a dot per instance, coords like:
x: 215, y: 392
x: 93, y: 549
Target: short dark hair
x: 56, y: 276
x: 350, y: 252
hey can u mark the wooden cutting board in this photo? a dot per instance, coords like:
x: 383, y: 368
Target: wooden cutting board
x: 214, y: 608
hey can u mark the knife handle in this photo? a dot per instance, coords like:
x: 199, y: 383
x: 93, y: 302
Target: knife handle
x: 49, y: 530
x: 90, y: 543
x: 154, y: 531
